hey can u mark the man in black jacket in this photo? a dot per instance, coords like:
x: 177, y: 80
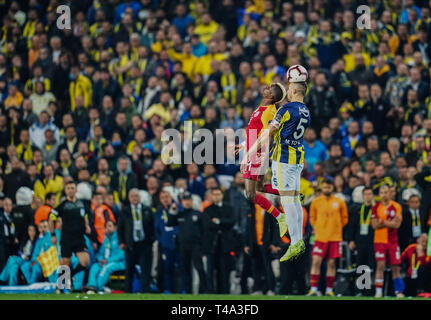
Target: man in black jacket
x: 124, y: 180
x: 261, y: 243
x: 136, y: 237
x: 359, y: 234
x: 219, y: 241
x: 413, y: 223
x: 190, y: 236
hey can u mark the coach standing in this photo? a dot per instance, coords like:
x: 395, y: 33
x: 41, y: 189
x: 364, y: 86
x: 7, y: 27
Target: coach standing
x: 136, y: 236
x: 190, y: 234
x: 219, y: 241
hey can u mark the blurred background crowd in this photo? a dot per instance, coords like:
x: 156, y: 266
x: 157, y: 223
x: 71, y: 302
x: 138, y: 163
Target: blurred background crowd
x: 89, y: 104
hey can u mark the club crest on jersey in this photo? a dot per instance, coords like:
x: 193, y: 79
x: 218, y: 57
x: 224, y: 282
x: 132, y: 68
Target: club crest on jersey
x: 278, y: 117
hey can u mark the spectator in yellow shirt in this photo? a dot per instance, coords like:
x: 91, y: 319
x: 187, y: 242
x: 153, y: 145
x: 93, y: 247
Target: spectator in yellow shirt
x: 14, y: 98
x: 52, y: 183
x: 187, y: 59
x: 349, y: 59
x: 79, y: 85
x: 203, y: 65
x: 206, y: 28
x: 162, y: 109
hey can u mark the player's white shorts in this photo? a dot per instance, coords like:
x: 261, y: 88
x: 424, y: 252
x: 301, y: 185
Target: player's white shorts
x: 286, y: 177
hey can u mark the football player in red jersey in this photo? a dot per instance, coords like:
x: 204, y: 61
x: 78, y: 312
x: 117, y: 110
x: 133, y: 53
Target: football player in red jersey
x: 253, y: 168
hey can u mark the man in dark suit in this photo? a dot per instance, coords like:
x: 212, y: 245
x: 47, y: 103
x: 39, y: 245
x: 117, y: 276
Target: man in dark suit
x: 190, y: 234
x: 123, y: 181
x: 262, y: 244
x: 218, y: 241
x: 136, y: 237
x: 413, y: 223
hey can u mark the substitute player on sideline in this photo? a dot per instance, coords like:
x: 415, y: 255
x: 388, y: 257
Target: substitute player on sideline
x: 287, y: 155
x: 75, y: 225
x: 386, y: 218
x: 252, y: 167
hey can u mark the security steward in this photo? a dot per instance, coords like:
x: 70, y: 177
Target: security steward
x: 190, y: 233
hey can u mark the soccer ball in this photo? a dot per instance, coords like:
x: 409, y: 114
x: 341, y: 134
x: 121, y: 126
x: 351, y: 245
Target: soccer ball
x: 297, y: 73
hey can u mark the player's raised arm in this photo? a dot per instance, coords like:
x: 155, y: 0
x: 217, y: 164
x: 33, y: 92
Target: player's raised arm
x: 273, y: 94
x: 261, y: 141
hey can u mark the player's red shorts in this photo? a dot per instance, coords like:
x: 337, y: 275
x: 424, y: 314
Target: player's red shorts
x: 250, y: 170
x: 388, y: 250
x: 330, y: 249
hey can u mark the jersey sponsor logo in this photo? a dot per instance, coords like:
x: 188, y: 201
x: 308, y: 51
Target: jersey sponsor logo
x: 82, y: 212
x: 317, y: 250
x: 379, y: 255
x: 274, y: 182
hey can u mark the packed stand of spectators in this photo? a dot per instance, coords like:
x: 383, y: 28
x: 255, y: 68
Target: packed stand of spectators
x: 89, y: 104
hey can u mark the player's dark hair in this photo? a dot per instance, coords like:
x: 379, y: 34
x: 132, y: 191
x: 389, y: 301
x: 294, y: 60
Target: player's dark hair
x: 49, y: 195
x: 367, y: 188
x: 70, y: 182
x: 328, y: 181
x: 277, y: 92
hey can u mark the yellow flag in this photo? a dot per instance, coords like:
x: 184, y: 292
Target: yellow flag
x: 49, y: 261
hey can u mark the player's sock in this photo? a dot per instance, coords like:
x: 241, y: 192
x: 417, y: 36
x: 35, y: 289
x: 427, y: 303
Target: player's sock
x: 267, y: 205
x: 291, y: 216
x: 300, y: 214
x: 329, y: 283
x: 399, y: 285
x: 379, y: 286
x: 269, y: 189
x: 314, y: 281
x: 78, y: 269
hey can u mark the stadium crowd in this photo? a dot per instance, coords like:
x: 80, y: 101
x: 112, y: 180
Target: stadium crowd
x: 89, y: 104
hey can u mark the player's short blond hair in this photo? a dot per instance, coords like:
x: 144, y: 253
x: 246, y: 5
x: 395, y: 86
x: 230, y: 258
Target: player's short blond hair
x: 300, y: 87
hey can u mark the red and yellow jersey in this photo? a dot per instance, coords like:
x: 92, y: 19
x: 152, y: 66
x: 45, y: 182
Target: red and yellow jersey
x: 328, y: 216
x: 259, y: 121
x: 379, y: 211
x: 413, y: 259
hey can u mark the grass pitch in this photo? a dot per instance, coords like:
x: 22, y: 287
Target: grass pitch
x: 178, y: 297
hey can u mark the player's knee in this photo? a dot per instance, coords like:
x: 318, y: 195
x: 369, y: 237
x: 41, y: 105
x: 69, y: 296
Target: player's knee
x: 331, y: 263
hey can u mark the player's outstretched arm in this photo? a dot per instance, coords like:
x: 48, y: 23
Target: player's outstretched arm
x: 261, y: 141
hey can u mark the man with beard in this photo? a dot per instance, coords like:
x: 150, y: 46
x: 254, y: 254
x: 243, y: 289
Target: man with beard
x: 349, y: 142
x: 336, y: 161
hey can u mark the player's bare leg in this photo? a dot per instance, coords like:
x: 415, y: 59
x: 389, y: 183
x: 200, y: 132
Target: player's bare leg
x: 257, y: 198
